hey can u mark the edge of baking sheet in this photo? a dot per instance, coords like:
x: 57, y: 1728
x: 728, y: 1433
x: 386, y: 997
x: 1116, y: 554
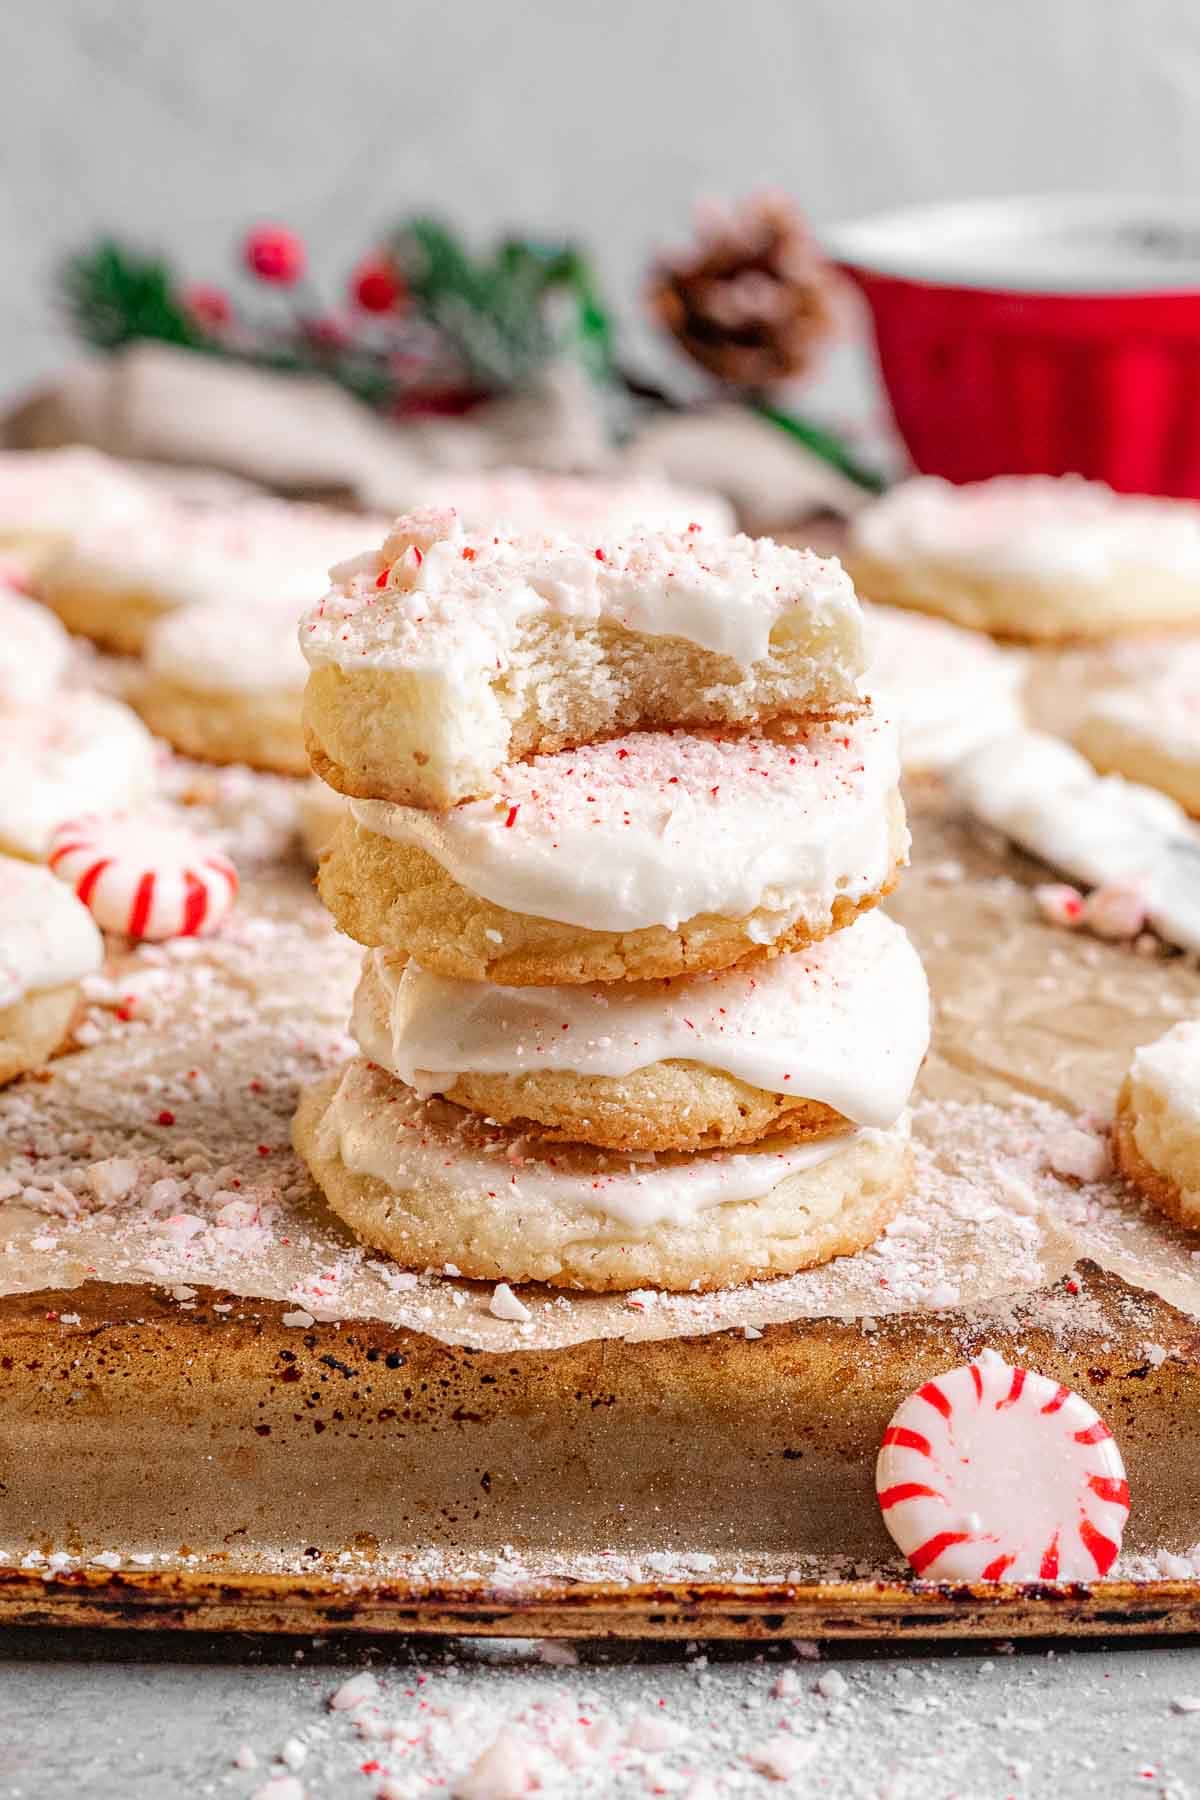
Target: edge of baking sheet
x: 670, y: 1610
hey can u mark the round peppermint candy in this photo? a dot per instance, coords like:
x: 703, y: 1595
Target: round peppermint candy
x: 995, y: 1473
x: 144, y: 876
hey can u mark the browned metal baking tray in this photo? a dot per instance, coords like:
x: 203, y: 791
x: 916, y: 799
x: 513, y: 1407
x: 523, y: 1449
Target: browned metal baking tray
x: 360, y: 1477
x: 819, y: 1611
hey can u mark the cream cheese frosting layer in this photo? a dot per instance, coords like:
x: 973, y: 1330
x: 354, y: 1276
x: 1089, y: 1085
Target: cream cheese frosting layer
x: 845, y: 1022
x: 439, y: 599
x: 658, y: 827
x: 229, y: 649
x: 949, y: 690
x: 84, y: 753
x: 1096, y: 828
x: 530, y: 500
x: 1030, y: 526
x: 34, y: 650
x: 47, y: 938
x: 378, y: 1127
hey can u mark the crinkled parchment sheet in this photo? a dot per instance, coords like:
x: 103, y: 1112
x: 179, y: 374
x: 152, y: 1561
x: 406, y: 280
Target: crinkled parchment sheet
x: 198, y: 1051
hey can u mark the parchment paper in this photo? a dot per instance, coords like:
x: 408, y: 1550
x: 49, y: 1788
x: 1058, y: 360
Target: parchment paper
x: 199, y: 1051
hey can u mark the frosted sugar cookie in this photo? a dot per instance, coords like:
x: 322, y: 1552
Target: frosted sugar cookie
x: 48, y: 943
x: 1099, y: 829
x: 948, y: 690
x: 1031, y: 556
x: 533, y: 500
x: 803, y: 1045
x: 116, y: 580
x: 81, y: 753
x: 1149, y: 730
x: 447, y: 655
x: 34, y: 649
x: 48, y: 496
x: 655, y: 855
x: 226, y: 684
x: 428, y: 1183
x: 1156, y: 1136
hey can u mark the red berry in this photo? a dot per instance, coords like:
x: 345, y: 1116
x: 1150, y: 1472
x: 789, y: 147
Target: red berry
x: 275, y: 254
x: 209, y: 306
x: 376, y: 286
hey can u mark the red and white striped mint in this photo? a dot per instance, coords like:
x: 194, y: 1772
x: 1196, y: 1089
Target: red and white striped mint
x: 144, y: 876
x: 995, y: 1473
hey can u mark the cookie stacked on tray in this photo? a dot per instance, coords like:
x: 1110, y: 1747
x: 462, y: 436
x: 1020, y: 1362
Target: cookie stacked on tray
x: 618, y: 819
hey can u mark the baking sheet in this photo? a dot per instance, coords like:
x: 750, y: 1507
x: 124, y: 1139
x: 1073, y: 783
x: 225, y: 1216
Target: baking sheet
x: 160, y: 1151
x: 171, y: 1286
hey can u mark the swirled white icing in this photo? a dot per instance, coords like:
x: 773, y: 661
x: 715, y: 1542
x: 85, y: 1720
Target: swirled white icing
x: 1030, y: 526
x: 378, y: 1127
x: 47, y: 938
x: 845, y: 1022
x: 533, y: 500
x: 949, y: 690
x: 658, y: 827
x: 84, y: 753
x: 439, y: 599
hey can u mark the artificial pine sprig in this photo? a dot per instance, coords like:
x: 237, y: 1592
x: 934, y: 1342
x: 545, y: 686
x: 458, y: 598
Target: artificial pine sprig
x: 430, y: 320
x: 114, y: 296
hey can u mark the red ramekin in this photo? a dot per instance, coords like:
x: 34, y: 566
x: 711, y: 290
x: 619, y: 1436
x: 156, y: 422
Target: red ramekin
x: 1039, y: 336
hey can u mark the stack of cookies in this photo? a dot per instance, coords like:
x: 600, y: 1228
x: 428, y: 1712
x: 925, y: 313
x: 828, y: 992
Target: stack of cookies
x: 619, y: 817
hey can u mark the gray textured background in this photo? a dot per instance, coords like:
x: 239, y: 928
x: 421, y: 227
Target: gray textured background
x: 180, y: 122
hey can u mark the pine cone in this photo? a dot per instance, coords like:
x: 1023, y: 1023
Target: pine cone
x: 752, y: 303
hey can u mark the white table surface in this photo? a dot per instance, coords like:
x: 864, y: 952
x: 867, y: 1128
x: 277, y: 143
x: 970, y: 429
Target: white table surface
x: 163, y: 1718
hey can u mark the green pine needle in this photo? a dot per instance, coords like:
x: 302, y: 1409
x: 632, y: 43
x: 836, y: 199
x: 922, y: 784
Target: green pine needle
x: 115, y: 295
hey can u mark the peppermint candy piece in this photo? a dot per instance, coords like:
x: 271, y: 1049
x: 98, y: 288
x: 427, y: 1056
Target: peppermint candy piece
x: 995, y: 1473
x: 144, y: 877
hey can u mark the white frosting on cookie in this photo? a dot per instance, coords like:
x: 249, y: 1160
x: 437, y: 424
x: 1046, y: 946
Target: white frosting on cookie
x: 241, y: 553
x: 658, y: 827
x: 1031, y: 526
x: 948, y: 689
x: 34, y: 650
x: 61, y: 491
x: 222, y: 649
x: 379, y: 1127
x: 532, y: 500
x: 845, y: 1022
x: 455, y: 603
x: 1170, y: 1067
x: 82, y: 753
x: 1098, y: 829
x: 47, y: 938
x: 1162, y: 711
